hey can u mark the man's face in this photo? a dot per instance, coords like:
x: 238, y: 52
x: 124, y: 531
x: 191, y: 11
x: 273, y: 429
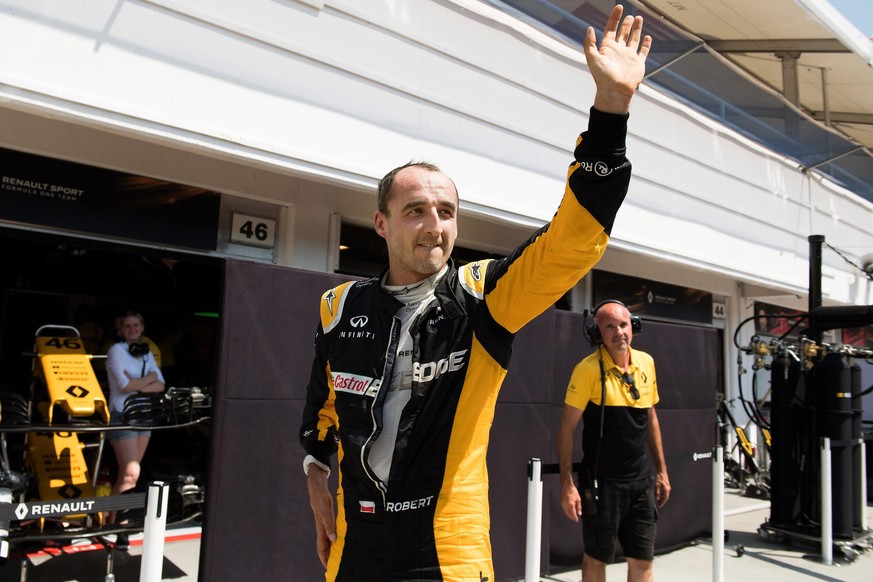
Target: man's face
x: 615, y: 327
x: 420, y: 226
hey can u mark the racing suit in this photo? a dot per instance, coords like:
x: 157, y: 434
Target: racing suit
x: 430, y: 520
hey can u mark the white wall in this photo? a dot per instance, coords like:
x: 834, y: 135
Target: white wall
x: 341, y: 91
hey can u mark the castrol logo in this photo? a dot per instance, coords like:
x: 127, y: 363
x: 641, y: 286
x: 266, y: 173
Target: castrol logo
x: 354, y: 384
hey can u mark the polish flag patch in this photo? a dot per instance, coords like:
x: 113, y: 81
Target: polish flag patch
x: 367, y: 507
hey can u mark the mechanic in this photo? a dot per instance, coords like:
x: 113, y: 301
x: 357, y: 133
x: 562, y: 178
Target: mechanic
x: 615, y: 390
x: 408, y: 365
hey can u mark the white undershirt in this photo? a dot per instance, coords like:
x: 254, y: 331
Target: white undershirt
x: 416, y: 300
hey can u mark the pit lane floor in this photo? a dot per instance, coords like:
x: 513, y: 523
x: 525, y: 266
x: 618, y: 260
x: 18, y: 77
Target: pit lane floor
x: 85, y: 561
x: 761, y: 560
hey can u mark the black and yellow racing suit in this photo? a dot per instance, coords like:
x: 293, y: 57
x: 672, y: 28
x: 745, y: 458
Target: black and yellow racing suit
x: 430, y: 521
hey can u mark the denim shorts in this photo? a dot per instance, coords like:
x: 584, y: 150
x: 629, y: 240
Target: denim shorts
x: 626, y: 512
x: 116, y: 418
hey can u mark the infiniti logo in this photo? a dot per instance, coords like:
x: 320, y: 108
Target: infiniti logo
x: 359, y: 321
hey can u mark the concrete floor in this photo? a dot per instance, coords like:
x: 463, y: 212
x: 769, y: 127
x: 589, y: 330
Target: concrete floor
x: 760, y: 560
x: 84, y: 561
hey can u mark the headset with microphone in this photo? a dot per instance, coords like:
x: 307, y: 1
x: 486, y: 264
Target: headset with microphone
x: 137, y: 349
x: 592, y: 331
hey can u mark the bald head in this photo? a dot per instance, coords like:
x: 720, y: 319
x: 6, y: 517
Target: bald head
x: 614, y: 322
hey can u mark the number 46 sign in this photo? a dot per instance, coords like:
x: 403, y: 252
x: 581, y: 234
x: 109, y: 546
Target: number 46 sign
x: 253, y: 230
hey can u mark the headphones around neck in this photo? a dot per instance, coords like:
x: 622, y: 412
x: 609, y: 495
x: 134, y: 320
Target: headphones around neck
x: 592, y: 332
x: 138, y: 349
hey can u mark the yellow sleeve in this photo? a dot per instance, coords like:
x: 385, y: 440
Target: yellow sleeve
x: 548, y: 266
x: 579, y: 392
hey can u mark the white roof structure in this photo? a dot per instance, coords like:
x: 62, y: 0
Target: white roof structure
x: 793, y: 75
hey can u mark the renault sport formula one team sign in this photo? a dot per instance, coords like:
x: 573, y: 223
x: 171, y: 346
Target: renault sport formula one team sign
x: 48, y: 192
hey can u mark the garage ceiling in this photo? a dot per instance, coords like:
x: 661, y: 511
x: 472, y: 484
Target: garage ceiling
x: 792, y: 75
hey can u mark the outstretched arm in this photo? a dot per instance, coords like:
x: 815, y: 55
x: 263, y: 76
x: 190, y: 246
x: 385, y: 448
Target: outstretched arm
x: 619, y: 64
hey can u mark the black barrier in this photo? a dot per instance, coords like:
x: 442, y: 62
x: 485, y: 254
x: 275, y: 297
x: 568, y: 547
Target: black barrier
x: 670, y: 460
x: 553, y: 468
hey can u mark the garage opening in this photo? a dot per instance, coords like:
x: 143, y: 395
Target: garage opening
x: 85, y: 285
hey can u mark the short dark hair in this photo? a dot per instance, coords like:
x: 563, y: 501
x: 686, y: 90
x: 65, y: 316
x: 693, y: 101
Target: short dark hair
x: 387, y: 181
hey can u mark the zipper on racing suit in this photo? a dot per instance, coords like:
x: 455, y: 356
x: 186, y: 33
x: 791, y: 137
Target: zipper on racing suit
x: 384, y: 385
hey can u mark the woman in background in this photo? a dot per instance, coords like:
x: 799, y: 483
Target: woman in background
x: 130, y: 367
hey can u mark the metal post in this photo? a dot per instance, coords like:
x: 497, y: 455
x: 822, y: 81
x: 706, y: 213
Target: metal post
x: 862, y: 476
x: 718, y: 514
x: 825, y: 97
x: 534, y: 521
x: 827, y: 545
x: 5, y: 499
x: 110, y: 565
x: 790, y: 84
x: 151, y: 569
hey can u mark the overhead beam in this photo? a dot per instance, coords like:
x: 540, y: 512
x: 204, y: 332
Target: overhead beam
x: 779, y: 113
x: 844, y: 117
x: 810, y: 45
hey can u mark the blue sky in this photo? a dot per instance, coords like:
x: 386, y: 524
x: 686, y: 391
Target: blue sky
x: 859, y: 12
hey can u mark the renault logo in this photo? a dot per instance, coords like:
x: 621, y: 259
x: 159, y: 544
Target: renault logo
x: 77, y: 391
x: 359, y: 321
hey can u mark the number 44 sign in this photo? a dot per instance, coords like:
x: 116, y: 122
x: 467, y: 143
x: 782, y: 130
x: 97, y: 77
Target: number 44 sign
x: 253, y: 230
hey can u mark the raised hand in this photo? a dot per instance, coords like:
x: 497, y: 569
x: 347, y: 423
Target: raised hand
x: 619, y: 64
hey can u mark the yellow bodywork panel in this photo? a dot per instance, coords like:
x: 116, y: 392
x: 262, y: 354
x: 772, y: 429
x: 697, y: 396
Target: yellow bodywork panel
x: 58, y: 462
x: 69, y: 378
